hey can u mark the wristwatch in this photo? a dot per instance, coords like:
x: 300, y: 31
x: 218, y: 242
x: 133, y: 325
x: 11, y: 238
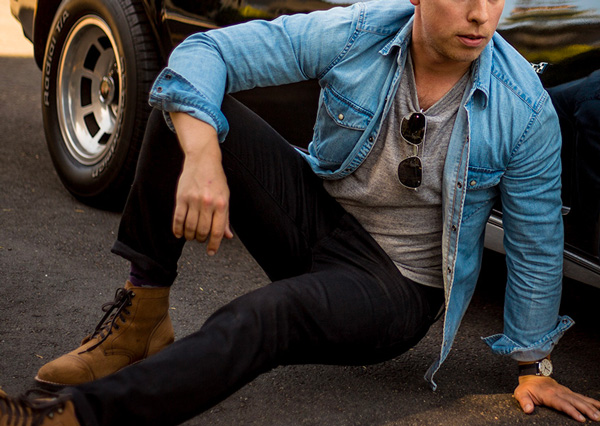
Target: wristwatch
x: 542, y: 367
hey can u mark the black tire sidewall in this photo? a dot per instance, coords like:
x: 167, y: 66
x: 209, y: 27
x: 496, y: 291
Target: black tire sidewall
x: 88, y: 181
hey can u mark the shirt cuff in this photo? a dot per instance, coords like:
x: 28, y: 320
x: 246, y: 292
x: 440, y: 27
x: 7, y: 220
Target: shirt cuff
x: 503, y: 345
x: 173, y: 93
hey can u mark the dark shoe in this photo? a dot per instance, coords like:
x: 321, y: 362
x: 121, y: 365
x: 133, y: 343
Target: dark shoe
x: 49, y: 410
x: 135, y: 326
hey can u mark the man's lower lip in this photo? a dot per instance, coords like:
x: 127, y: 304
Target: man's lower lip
x: 471, y: 42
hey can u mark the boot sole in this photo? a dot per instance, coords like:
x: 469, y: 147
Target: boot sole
x: 50, y: 386
x: 55, y: 387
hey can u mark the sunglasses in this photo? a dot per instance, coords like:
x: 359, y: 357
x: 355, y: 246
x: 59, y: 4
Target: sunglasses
x: 412, y: 130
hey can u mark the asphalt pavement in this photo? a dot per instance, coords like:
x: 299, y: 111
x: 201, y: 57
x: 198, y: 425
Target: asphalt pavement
x: 56, y: 270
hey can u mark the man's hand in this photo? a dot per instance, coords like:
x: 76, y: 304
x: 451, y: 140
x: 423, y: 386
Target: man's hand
x: 539, y: 390
x: 202, y: 200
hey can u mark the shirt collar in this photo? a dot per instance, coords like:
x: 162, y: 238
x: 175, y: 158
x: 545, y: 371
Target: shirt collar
x: 481, y: 71
x: 401, y: 40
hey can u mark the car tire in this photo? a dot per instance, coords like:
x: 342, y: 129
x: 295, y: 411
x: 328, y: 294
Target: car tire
x: 100, y: 60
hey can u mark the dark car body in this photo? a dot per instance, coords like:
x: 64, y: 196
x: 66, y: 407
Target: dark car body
x: 561, y: 38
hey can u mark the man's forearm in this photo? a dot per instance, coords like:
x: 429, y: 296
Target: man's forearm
x: 195, y: 136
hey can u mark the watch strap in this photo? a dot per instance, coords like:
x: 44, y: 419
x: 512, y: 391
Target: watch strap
x: 529, y: 369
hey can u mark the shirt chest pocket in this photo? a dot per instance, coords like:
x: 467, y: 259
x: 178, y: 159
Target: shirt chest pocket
x: 482, y: 192
x: 339, y: 126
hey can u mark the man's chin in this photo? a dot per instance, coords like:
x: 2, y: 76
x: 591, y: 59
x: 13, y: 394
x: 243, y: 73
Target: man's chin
x: 467, y: 55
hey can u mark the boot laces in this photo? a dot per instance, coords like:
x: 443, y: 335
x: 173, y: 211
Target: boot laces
x: 26, y: 410
x: 114, y: 310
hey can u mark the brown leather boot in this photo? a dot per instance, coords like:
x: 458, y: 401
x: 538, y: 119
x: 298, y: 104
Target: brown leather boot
x: 49, y: 410
x: 135, y: 326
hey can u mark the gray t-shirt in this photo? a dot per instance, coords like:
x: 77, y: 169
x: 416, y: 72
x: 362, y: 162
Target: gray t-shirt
x: 406, y: 223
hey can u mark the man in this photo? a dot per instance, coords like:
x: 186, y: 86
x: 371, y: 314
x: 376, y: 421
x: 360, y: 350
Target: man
x: 425, y: 119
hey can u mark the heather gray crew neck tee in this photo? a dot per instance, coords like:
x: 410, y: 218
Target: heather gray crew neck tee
x: 406, y: 223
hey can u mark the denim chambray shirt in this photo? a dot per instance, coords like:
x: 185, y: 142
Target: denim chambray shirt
x: 505, y: 143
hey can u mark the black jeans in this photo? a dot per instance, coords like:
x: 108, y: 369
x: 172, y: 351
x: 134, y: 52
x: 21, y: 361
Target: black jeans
x: 336, y: 297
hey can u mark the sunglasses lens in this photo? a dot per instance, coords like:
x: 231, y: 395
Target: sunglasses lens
x: 413, y: 128
x: 410, y: 172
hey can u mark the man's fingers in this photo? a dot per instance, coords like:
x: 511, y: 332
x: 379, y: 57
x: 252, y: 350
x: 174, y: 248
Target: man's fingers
x: 179, y: 220
x: 220, y: 228
x: 567, y: 405
x: 192, y: 222
x: 584, y: 406
x: 593, y: 402
x: 575, y: 405
x: 211, y: 223
x: 228, y: 232
x: 203, y: 222
x: 527, y: 404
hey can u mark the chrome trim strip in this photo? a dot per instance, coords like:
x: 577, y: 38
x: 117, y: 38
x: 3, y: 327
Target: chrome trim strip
x: 580, y: 269
x: 177, y: 17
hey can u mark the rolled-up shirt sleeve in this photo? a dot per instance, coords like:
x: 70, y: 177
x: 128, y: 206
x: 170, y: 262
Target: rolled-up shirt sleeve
x: 206, y: 66
x: 171, y: 92
x: 504, y: 345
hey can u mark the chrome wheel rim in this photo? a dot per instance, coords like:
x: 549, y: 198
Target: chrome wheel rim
x: 90, y: 91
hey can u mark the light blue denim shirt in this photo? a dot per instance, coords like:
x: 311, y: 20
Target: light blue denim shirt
x: 505, y: 143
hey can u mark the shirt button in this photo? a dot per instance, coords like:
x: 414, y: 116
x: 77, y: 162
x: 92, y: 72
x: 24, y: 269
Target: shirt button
x: 473, y: 183
x: 449, y: 271
x: 371, y: 139
x: 159, y: 89
x: 341, y: 116
x: 454, y: 228
x: 459, y: 184
x: 168, y: 76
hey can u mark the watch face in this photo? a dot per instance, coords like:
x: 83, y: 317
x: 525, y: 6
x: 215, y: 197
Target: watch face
x: 545, y: 367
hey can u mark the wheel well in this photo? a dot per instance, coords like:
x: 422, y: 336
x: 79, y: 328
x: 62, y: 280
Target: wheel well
x: 44, y: 16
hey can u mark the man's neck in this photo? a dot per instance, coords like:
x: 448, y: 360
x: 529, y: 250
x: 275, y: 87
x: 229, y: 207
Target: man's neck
x: 435, y: 78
